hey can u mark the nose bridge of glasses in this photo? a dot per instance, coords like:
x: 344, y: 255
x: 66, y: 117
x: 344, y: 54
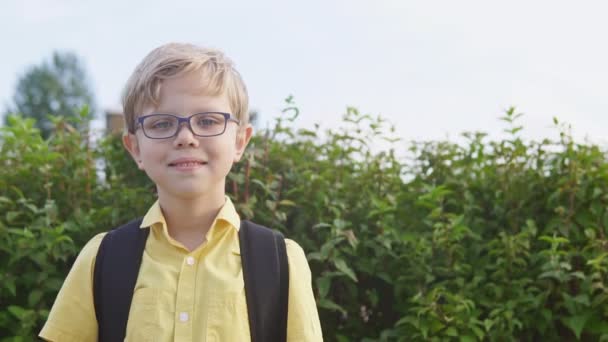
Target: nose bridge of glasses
x: 184, y: 121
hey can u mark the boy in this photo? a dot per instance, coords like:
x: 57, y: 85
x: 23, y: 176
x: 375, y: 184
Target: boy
x: 186, y: 113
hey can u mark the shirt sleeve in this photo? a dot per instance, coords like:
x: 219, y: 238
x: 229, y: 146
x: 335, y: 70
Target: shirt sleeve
x: 72, y: 317
x: 303, y: 318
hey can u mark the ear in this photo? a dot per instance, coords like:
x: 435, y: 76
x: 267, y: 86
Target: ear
x: 129, y: 141
x: 242, y: 139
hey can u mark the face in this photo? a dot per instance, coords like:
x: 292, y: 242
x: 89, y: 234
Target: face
x: 187, y: 166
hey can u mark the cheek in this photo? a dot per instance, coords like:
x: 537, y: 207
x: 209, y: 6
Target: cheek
x: 220, y: 149
x: 151, y: 155
x: 223, y: 155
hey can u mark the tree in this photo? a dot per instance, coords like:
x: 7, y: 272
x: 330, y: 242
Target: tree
x: 58, y: 87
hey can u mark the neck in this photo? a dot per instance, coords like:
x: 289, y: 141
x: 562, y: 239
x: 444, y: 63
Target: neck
x: 190, y: 218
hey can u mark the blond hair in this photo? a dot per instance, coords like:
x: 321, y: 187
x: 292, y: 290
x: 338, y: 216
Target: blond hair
x: 177, y: 59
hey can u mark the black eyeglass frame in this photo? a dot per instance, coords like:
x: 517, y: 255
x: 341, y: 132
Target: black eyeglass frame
x: 227, y: 117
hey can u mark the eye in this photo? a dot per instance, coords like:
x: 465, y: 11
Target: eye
x: 162, y: 124
x: 159, y: 123
x: 207, y: 121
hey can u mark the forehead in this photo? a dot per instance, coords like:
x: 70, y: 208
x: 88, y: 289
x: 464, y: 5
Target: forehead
x: 191, y: 83
x: 188, y: 94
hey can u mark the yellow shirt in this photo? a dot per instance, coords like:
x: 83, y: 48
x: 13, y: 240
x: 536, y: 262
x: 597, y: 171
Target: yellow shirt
x: 181, y: 295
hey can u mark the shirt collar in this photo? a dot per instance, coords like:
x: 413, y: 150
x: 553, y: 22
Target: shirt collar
x: 227, y: 213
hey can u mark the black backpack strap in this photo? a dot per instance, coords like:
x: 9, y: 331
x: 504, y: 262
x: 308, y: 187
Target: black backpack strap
x: 266, y: 277
x: 116, y: 270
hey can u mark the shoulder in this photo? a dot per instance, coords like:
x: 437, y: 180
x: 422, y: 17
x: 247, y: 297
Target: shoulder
x: 82, y: 269
x: 93, y: 243
x: 89, y: 251
x: 72, y: 317
x: 303, y: 318
x: 298, y: 265
x: 86, y: 256
x: 294, y: 249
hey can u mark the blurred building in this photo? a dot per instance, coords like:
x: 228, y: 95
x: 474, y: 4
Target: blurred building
x: 115, y: 122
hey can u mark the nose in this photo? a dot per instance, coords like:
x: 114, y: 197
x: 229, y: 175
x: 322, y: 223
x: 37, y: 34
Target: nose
x: 185, y: 136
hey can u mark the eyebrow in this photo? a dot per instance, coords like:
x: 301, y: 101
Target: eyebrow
x: 207, y: 110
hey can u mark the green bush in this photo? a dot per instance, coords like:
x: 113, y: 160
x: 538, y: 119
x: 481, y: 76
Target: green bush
x: 478, y: 240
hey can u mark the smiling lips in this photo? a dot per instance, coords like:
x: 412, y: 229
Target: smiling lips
x: 187, y: 163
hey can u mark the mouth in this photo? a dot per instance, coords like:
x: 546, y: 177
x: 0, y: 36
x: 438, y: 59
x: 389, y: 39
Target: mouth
x: 187, y: 163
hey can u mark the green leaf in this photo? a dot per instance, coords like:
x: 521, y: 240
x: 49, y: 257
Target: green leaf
x: 322, y: 225
x: 343, y: 267
x: 330, y: 305
x: 576, y: 323
x: 583, y: 299
x: 451, y: 331
x: 590, y: 233
x: 9, y: 284
x: 313, y: 256
x: 11, y: 216
x: 323, y: 284
x: 342, y: 338
x: 34, y: 298
x: 597, y: 325
x: 467, y: 338
x: 478, y: 332
x: 287, y: 203
x: 17, y: 311
x: 407, y: 319
x: 487, y: 324
x: 373, y: 297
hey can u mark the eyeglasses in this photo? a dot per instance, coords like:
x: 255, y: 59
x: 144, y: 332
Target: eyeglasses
x: 164, y: 126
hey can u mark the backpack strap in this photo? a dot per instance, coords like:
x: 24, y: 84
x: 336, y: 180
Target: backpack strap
x: 265, y: 274
x: 266, y: 277
x: 116, y: 270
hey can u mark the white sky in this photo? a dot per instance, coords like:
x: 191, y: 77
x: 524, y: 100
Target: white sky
x: 434, y: 68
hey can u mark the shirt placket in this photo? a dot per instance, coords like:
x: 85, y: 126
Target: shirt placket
x: 185, y: 297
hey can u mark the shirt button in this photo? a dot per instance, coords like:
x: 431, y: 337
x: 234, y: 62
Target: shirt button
x: 183, y: 316
x: 190, y: 260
